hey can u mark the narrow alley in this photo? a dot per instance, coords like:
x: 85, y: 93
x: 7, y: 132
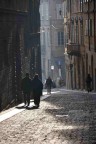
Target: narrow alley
x: 65, y: 117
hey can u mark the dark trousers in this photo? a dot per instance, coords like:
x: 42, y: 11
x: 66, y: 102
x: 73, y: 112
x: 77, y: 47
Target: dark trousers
x: 89, y: 87
x: 27, y: 98
x: 36, y: 99
x: 49, y: 89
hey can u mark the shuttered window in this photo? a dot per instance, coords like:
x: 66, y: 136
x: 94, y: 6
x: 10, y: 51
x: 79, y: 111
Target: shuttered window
x: 60, y: 38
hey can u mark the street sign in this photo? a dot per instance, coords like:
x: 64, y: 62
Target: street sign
x: 52, y: 67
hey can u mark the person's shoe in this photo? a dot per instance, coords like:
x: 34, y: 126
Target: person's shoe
x: 27, y: 105
x: 37, y: 106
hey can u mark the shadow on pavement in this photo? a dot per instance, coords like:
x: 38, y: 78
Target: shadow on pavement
x: 74, y: 135
x: 31, y: 108
x: 20, y: 107
x: 77, y: 115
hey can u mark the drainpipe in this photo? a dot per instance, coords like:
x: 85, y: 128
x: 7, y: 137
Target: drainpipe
x: 94, y: 27
x: 88, y: 25
x: 70, y: 19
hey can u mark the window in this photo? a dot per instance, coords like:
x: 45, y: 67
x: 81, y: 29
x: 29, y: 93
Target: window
x: 81, y: 5
x: 72, y: 32
x: 85, y: 1
x: 44, y: 11
x: 68, y: 5
x: 48, y: 38
x: 64, y: 9
x: 86, y: 27
x: 59, y: 10
x: 77, y: 31
x: 90, y: 27
x: 42, y: 39
x: 60, y: 38
x: 41, y: 12
x: 81, y: 34
x: 44, y: 65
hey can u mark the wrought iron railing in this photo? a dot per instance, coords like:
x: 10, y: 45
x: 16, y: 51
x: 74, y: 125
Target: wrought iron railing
x: 73, y: 49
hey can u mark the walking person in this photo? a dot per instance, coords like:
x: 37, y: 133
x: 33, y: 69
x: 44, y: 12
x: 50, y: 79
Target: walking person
x: 48, y: 85
x: 89, y: 82
x: 26, y: 88
x: 37, y: 87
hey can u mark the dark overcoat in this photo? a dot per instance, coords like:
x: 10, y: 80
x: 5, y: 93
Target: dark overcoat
x: 26, y: 85
x: 37, y: 87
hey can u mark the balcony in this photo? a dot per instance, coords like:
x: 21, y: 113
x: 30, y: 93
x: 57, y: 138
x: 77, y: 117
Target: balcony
x: 73, y: 49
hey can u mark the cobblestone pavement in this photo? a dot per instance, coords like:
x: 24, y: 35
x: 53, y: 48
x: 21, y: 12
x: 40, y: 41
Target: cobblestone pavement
x: 63, y: 118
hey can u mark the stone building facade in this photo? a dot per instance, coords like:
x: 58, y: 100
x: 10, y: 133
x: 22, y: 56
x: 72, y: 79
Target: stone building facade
x: 90, y: 39
x: 81, y: 34
x: 12, y: 18
x: 18, y: 20
x: 33, y: 38
x: 52, y: 39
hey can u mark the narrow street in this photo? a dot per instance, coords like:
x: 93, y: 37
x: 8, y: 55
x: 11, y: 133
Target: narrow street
x: 65, y: 117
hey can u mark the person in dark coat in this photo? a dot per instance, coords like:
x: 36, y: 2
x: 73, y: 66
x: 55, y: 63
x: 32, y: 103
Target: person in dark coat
x: 37, y: 87
x: 26, y: 88
x: 88, y: 82
x: 48, y: 85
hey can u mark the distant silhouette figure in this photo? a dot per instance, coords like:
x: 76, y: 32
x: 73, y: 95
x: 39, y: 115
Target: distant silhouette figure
x: 26, y: 88
x: 37, y: 87
x: 48, y: 85
x: 88, y: 82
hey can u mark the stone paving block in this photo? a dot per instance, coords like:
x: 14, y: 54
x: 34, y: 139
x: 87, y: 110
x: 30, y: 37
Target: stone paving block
x: 59, y: 120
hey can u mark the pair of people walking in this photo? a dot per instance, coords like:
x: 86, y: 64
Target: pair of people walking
x: 33, y: 86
